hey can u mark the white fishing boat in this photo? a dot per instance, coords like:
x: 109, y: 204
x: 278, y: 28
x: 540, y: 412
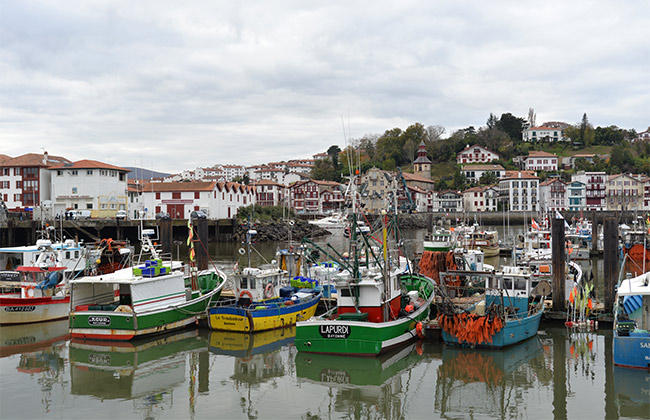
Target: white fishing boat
x: 333, y: 223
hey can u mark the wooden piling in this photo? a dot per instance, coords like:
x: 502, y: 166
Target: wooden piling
x: 594, y: 231
x: 559, y: 258
x: 610, y: 261
x: 201, y: 243
x: 166, y: 235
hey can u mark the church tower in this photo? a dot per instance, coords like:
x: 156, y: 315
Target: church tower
x: 422, y: 165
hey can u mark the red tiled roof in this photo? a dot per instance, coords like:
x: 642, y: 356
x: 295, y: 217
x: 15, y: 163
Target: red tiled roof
x: 539, y: 153
x: 417, y: 178
x: 35, y: 159
x: 483, y: 167
x: 476, y: 145
x: 178, y: 186
x: 89, y: 164
x: 515, y: 175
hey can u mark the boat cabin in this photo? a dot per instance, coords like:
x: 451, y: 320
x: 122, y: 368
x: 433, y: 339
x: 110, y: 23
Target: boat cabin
x: 510, y: 287
x: 128, y: 290
x: 369, y: 299
x: 69, y: 255
x: 33, y: 282
x: 252, y: 284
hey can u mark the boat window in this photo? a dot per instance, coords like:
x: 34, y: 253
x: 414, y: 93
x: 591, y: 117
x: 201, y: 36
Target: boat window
x: 76, y: 254
x: 67, y: 255
x: 507, y: 283
x: 520, y: 284
x: 345, y: 292
x: 244, y: 283
x: 252, y: 283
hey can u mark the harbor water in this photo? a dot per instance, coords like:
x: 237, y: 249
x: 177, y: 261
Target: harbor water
x: 201, y: 374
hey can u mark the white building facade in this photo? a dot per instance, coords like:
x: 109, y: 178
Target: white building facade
x: 476, y: 154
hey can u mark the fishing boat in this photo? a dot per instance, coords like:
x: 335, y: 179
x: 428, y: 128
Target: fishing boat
x: 381, y: 305
x: 38, y: 296
x: 261, y: 303
x: 150, y: 298
x: 632, y: 323
x: 509, y: 312
x: 475, y: 237
x: 635, y: 243
x: 439, y: 240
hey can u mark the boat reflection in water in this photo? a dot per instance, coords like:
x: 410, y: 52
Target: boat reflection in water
x: 368, y: 385
x: 27, y: 338
x: 488, y: 382
x: 632, y: 388
x: 145, y: 371
x: 42, y: 348
x: 257, y: 355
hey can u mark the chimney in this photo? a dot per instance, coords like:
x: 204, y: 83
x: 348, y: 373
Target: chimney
x: 45, y: 158
x: 519, y: 174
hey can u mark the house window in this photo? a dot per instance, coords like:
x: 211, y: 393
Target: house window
x: 16, y: 197
x: 59, y: 173
x: 5, y: 171
x: 176, y: 195
x: 89, y: 206
x: 158, y: 198
x: 89, y: 172
x: 74, y: 172
x: 74, y: 190
x: 196, y: 195
x: 157, y: 209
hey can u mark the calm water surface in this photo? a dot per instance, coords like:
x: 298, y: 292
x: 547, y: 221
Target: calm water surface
x: 201, y: 374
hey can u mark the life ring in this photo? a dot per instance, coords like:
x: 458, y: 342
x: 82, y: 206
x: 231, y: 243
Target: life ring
x: 268, y: 291
x: 242, y: 251
x: 146, y: 248
x: 245, y: 293
x: 29, y: 290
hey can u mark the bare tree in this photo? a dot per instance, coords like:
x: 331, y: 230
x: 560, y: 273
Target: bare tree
x: 435, y: 132
x: 531, y: 117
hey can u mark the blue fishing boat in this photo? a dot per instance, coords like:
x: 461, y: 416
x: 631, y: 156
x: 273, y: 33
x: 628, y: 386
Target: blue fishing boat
x: 632, y: 323
x: 509, y: 311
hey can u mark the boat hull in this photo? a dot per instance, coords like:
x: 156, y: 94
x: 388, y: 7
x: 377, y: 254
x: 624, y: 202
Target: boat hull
x: 240, y: 319
x: 16, y: 310
x: 632, y: 351
x: 362, y: 338
x: 122, y: 326
x: 513, y: 332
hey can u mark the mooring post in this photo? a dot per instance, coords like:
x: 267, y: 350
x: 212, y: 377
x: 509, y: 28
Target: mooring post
x: 610, y: 261
x: 559, y: 257
x: 166, y: 235
x: 201, y: 243
x: 594, y: 231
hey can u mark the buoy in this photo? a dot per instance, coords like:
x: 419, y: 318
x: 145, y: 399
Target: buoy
x: 409, y: 308
x: 418, y: 329
x: 242, y: 251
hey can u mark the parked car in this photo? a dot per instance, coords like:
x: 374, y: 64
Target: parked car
x: 162, y: 215
x: 198, y: 214
x: 120, y: 215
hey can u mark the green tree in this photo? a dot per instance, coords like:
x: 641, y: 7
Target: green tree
x: 390, y: 146
x: 460, y: 180
x: 488, y: 178
x: 512, y: 126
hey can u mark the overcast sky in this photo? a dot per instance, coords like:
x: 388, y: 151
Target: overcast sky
x: 173, y: 85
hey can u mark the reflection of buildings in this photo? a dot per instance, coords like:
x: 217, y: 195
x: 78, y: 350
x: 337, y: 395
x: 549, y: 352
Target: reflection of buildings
x: 145, y: 371
x: 362, y: 384
x: 489, y: 382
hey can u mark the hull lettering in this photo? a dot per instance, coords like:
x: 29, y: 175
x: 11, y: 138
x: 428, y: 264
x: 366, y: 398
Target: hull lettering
x: 334, y: 331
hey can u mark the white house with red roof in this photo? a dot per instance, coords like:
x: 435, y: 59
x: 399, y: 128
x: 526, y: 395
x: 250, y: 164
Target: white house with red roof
x: 481, y: 198
x: 476, y: 154
x: 543, y: 133
x: 89, y: 185
x: 269, y: 193
x: 642, y: 136
x: 473, y: 173
x: 595, y: 188
x: 25, y: 180
x: 553, y: 195
x: 519, y: 191
x: 541, y: 161
x: 219, y: 200
x: 315, y: 196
